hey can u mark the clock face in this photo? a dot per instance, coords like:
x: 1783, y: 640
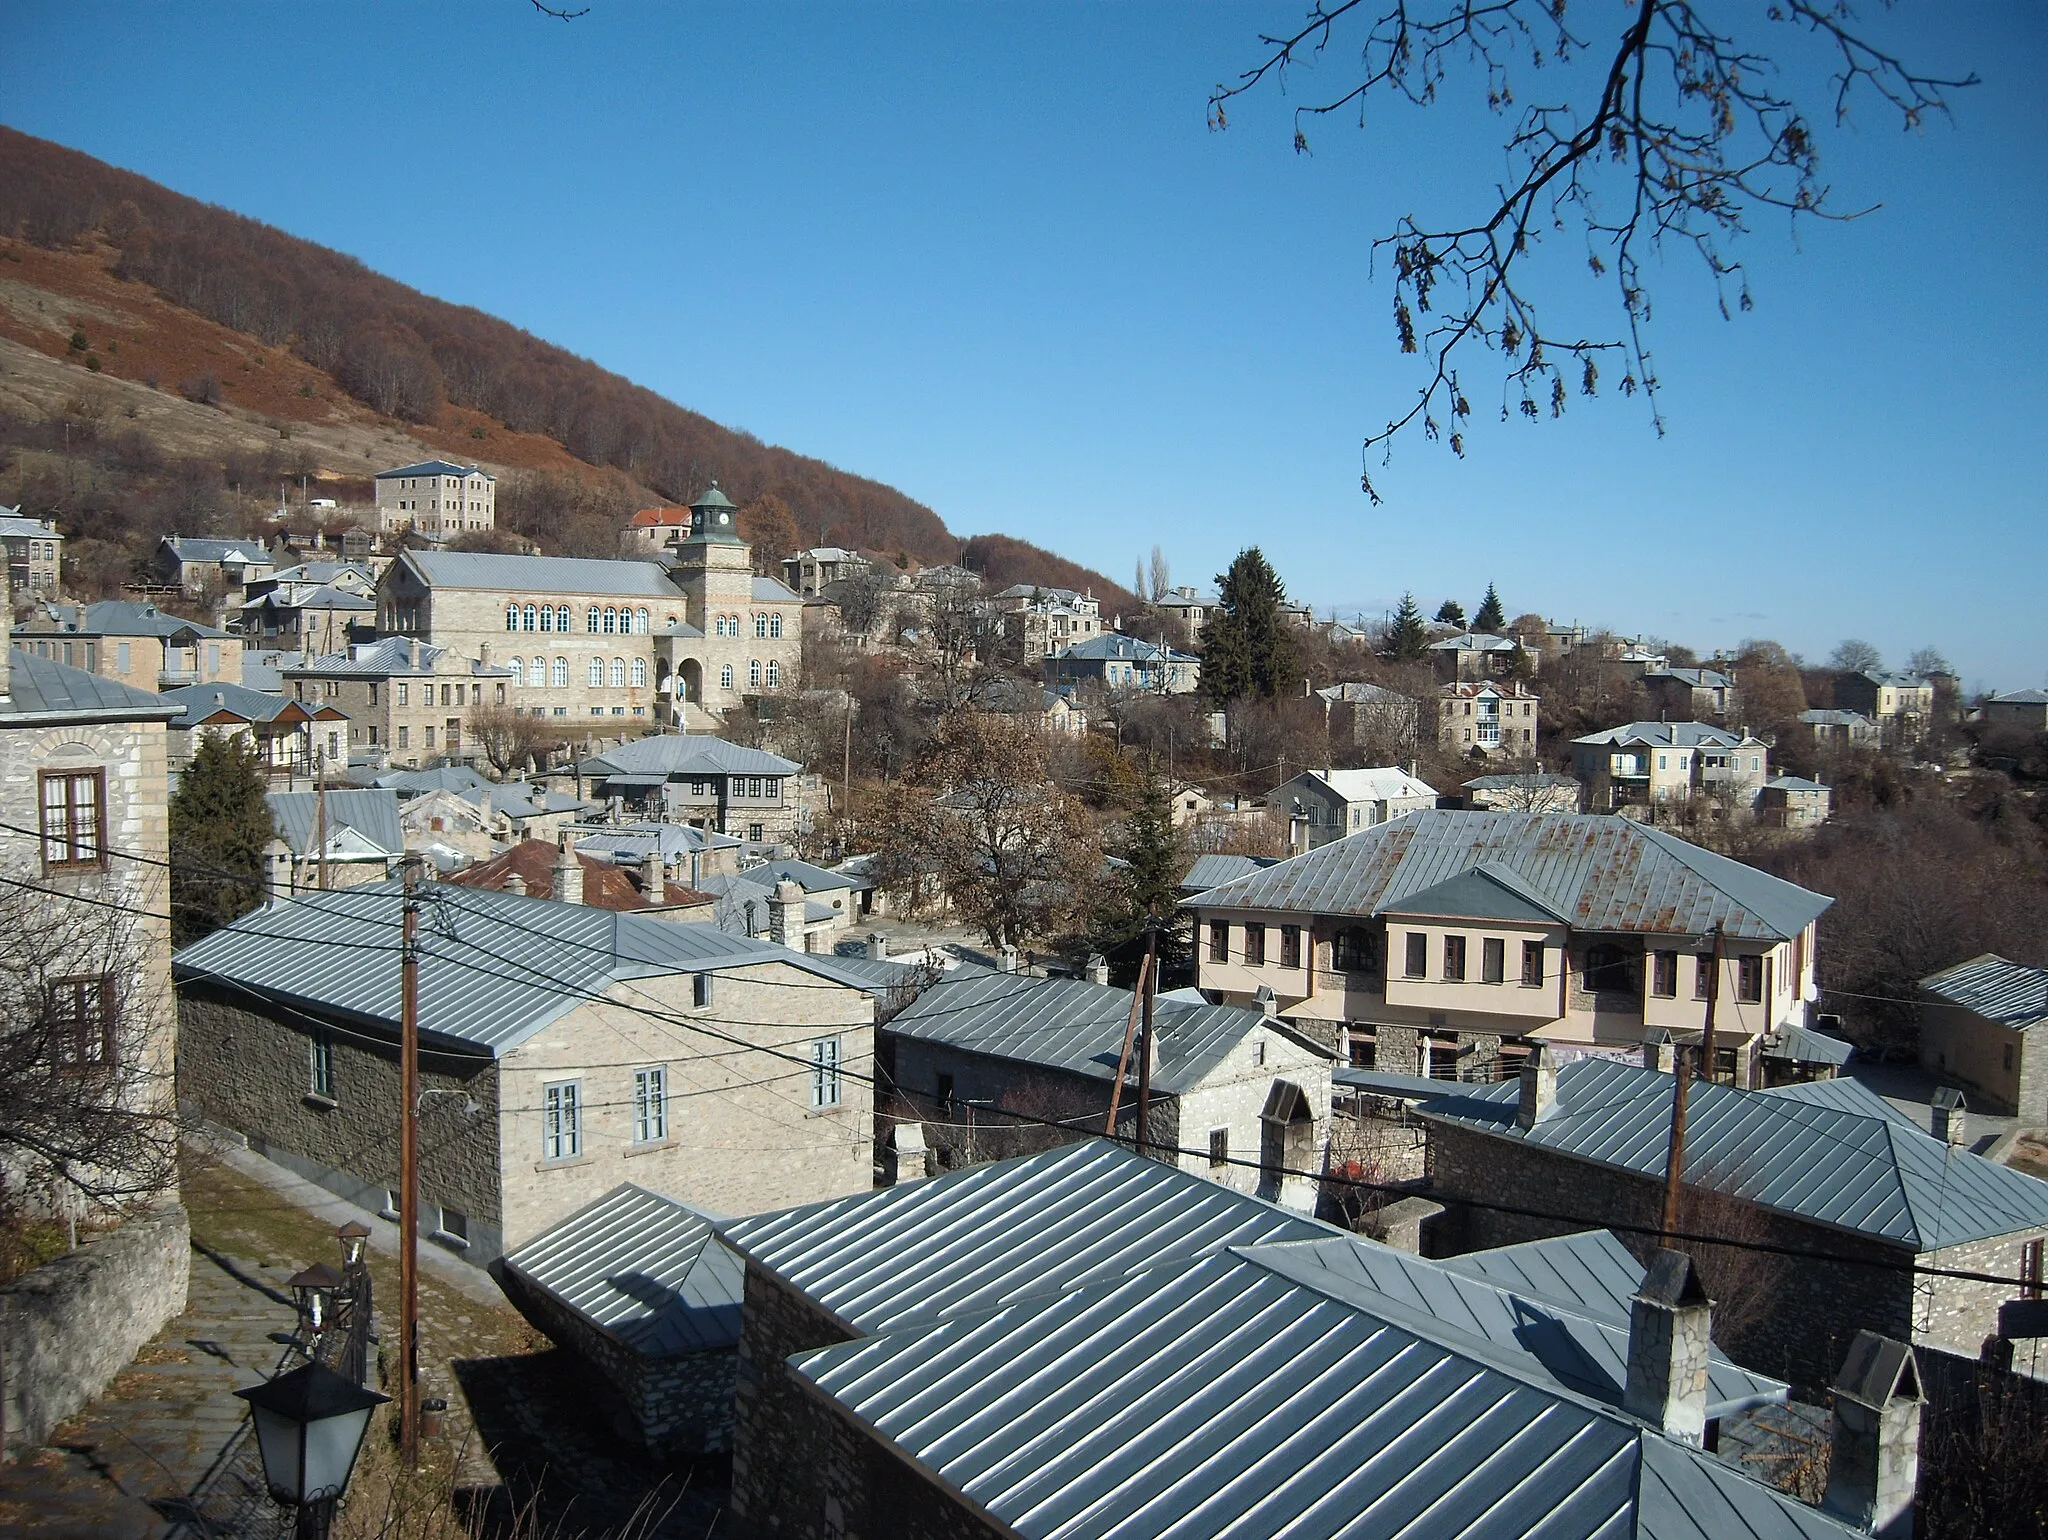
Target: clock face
x: 725, y: 518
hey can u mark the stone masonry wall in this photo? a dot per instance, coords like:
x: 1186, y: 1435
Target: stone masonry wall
x: 780, y: 1483
x: 70, y: 1326
x: 1811, y: 1309
x: 1959, y: 1313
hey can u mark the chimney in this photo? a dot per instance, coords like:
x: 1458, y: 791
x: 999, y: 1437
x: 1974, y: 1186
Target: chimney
x: 1006, y: 958
x: 878, y: 947
x: 483, y: 654
x: 1669, y: 1322
x: 1539, y: 1088
x: 277, y: 871
x: 1096, y: 969
x: 653, y: 876
x: 412, y: 652
x: 514, y: 883
x: 1659, y: 1052
x: 786, y: 915
x: 1946, y: 1115
x: 568, y: 871
x: 1876, y: 1461
x: 1267, y: 1004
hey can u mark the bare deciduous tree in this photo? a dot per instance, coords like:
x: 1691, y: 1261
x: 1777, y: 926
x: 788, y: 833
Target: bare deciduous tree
x: 512, y: 740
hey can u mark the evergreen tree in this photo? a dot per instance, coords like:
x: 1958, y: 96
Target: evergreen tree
x: 1490, y: 617
x: 1247, y: 644
x: 219, y: 826
x: 1451, y: 613
x: 1407, y: 638
x: 1147, y: 887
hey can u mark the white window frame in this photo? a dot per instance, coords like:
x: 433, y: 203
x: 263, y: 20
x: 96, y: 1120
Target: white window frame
x: 826, y: 1088
x: 561, y: 1120
x: 650, y: 1105
x: 320, y: 1068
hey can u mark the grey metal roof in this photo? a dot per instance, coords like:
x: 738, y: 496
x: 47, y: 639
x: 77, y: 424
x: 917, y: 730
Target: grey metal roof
x: 643, y: 1268
x: 1698, y: 678
x: 1844, y: 1093
x: 2009, y: 993
x: 1822, y: 717
x: 41, y: 689
x: 1518, y: 782
x: 1672, y: 735
x: 670, y: 755
x: 1792, y: 783
x: 1602, y: 873
x: 1868, y: 1173
x: 383, y: 658
x: 1488, y: 891
x: 16, y: 527
x: 124, y: 617
x: 1218, y: 1397
x: 2022, y: 698
x: 1360, y: 694
x: 1212, y: 870
x: 629, y: 843
x: 1804, y: 1046
x: 1071, y: 1025
x: 542, y: 574
x: 1474, y: 641
x: 974, y: 1238
x: 495, y: 967
x: 812, y: 879
x: 1115, y: 646
x: 371, y: 812
x: 197, y: 702
x: 435, y: 468
x: 768, y: 590
x: 205, y: 549
x: 1380, y: 1083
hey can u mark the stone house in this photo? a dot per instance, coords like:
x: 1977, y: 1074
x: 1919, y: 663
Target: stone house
x: 1025, y: 1369
x: 1324, y: 805
x: 35, y: 555
x: 1643, y: 764
x: 1372, y: 717
x: 1237, y: 1096
x: 308, y: 617
x: 1902, y: 705
x: 811, y: 572
x: 1495, y: 718
x: 436, y: 499
x: 134, y: 643
x: 437, y: 804
x: 1837, y: 729
x: 200, y: 566
x: 1793, y: 802
x: 1689, y: 694
x: 1474, y: 655
x: 705, y: 783
x: 1828, y: 1169
x: 564, y: 1050
x: 288, y: 734
x: 1978, y: 1022
x: 560, y: 869
x: 2018, y: 708
x: 408, y: 703
x: 1536, y: 792
x: 358, y: 828
x: 651, y: 531
x: 1120, y: 664
x: 691, y: 855
x: 1045, y: 620
x: 1189, y: 606
x: 1448, y: 943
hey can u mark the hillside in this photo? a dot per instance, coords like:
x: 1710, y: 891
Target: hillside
x: 246, y: 338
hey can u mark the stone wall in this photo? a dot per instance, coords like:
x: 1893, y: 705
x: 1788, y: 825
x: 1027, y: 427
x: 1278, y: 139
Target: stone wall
x: 781, y: 1484
x: 70, y: 1326
x: 1959, y: 1313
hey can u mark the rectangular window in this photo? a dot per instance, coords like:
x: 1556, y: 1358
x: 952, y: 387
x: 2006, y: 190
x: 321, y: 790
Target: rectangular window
x: 561, y: 1136
x: 1532, y: 962
x: 756, y: 832
x: 1493, y: 960
x: 124, y: 658
x: 321, y: 1081
x: 1219, y: 941
x: 825, y: 1072
x: 404, y: 694
x: 1418, y: 954
x: 943, y: 1089
x: 1290, y: 946
x: 430, y: 737
x: 1255, y: 945
x: 1664, y: 974
x: 697, y: 788
x: 74, y: 810
x: 1749, y: 979
x: 1454, y: 957
x: 453, y: 1225
x: 405, y: 737
x: 1702, y: 975
x: 1219, y: 1148
x: 650, y: 1105
x: 700, y: 989
x: 1362, y: 1048
x: 81, y: 1017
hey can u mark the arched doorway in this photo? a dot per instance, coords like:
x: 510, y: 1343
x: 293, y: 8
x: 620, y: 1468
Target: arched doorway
x: 691, y: 675
x: 1287, y: 1146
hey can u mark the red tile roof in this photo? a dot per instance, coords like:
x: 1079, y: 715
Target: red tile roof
x: 651, y: 518
x: 605, y: 886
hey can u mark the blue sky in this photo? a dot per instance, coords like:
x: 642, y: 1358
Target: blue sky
x: 993, y: 256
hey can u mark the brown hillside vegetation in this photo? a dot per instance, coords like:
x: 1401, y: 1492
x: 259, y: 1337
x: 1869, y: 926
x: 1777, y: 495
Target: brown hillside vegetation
x: 114, y: 275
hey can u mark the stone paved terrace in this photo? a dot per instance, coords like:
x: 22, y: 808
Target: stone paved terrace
x: 531, y: 1431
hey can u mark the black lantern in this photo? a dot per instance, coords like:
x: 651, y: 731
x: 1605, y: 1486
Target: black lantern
x: 309, y: 1428
x: 354, y: 1236
x: 313, y: 1292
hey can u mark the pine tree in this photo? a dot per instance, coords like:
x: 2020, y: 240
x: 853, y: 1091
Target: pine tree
x: 1451, y: 613
x: 1247, y: 646
x: 1490, y: 617
x: 220, y: 823
x: 1155, y: 859
x: 1407, y: 638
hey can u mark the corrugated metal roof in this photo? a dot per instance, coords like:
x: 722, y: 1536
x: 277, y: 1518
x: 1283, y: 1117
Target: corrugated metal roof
x: 1670, y: 735
x: 1866, y: 1172
x: 434, y: 468
x: 197, y: 702
x: 43, y: 688
x: 1603, y: 873
x: 1386, y: 783
x: 2009, y: 993
x: 1844, y: 1094
x: 971, y: 1239
x: 1474, y: 641
x: 372, y: 813
x: 1211, y: 871
x: 495, y: 967
x: 644, y: 1268
x: 1803, y: 1046
x: 542, y: 574
x: 1378, y: 1083
x: 674, y: 754
x: 1071, y: 1025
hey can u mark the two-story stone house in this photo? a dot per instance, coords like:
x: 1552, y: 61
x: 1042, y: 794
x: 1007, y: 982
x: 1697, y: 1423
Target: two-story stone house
x: 811, y: 572
x: 407, y: 703
x: 1324, y: 805
x: 1688, y: 694
x: 201, y: 565
x: 704, y: 783
x: 1046, y: 620
x: 1445, y: 943
x: 564, y: 1049
x: 133, y: 643
x: 1902, y: 705
x: 1490, y: 719
x: 1646, y: 763
x: 437, y: 499
x: 1474, y: 655
x: 35, y: 554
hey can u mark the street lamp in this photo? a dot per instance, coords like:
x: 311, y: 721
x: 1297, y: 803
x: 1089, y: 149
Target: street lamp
x: 354, y: 1236
x: 309, y: 1427
x: 313, y: 1293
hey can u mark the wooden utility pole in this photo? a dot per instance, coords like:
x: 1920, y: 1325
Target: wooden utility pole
x: 1681, y: 1080
x: 1148, y: 979
x: 409, y: 1175
x: 320, y: 812
x: 1706, y: 1064
x: 1123, y: 1061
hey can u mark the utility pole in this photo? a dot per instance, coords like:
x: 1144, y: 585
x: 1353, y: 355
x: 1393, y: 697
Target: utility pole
x: 320, y: 810
x: 1147, y: 986
x: 408, y: 1175
x: 1123, y: 1061
x: 1706, y: 1065
x: 1681, y: 1081
x: 846, y: 765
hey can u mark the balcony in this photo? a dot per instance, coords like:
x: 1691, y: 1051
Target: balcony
x: 176, y: 678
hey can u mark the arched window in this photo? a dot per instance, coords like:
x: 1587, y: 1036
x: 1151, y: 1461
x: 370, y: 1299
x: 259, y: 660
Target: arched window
x: 616, y: 674
x: 547, y: 617
x: 518, y: 667
x: 754, y: 675
x: 532, y: 619
x: 640, y: 622
x: 774, y: 674
x: 511, y: 617
x: 611, y: 621
x: 562, y: 617
x: 539, y: 672
x: 761, y: 627
x: 560, y: 677
x: 596, y: 673
x: 590, y: 621
x: 725, y: 677
x: 775, y: 624
x: 640, y: 671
